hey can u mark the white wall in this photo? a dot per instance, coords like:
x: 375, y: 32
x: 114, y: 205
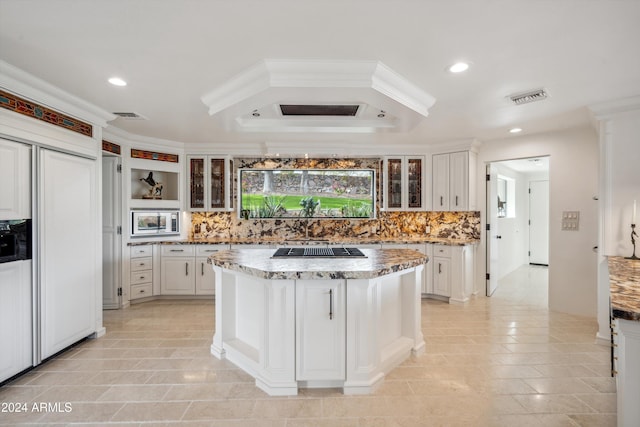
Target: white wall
x: 619, y: 127
x: 573, y: 178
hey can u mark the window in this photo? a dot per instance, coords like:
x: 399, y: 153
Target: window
x: 307, y: 193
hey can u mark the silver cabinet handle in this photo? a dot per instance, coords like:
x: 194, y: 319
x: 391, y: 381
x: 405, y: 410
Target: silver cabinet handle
x: 456, y: 200
x: 202, y: 268
x: 441, y: 200
x: 439, y: 268
x: 176, y: 250
x: 186, y: 268
x: 330, y: 304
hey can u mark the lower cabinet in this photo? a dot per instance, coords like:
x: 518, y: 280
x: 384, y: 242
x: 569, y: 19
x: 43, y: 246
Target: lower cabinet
x: 184, y: 269
x: 451, y: 272
x: 320, y: 330
x: 442, y: 276
x: 15, y: 318
x: 141, y: 272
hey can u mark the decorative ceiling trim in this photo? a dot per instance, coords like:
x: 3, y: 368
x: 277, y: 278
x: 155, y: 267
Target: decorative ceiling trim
x: 152, y: 155
x: 249, y: 101
x: 110, y: 147
x: 39, y: 112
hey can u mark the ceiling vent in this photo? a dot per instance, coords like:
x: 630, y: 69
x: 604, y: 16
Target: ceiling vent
x: 130, y: 116
x: 527, y: 97
x: 319, y: 110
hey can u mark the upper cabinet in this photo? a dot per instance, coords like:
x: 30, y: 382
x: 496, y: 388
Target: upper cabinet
x: 453, y: 181
x: 15, y: 176
x: 209, y: 183
x: 403, y: 183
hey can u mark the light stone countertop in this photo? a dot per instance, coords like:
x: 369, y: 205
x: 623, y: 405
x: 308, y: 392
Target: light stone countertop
x: 312, y: 241
x: 258, y: 263
x: 624, y: 285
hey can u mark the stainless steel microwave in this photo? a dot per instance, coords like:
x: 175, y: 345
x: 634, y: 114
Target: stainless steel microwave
x: 149, y: 223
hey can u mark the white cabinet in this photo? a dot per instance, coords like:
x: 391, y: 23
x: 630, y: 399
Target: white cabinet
x: 15, y: 318
x: 403, y: 183
x: 453, y: 181
x: 185, y: 271
x: 451, y: 272
x: 628, y: 371
x: 15, y: 176
x: 320, y: 330
x: 209, y: 183
x: 177, y: 270
x: 69, y: 247
x: 141, y: 272
x: 442, y: 272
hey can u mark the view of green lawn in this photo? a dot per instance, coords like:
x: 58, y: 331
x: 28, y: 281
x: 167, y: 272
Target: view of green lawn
x: 291, y: 203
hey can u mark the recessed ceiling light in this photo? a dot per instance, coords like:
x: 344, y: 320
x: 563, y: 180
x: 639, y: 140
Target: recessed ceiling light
x: 117, y: 81
x: 515, y: 130
x: 459, y: 67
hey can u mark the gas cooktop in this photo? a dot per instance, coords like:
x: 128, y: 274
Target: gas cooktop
x: 313, y: 252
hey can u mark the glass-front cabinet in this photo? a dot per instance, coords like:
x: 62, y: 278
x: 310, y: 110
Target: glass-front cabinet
x: 209, y: 183
x: 403, y: 183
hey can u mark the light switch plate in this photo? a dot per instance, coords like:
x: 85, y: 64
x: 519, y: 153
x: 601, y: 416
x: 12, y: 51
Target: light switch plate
x: 570, y: 220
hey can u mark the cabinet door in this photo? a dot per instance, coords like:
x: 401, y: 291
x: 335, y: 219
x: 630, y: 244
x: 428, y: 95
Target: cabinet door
x: 442, y: 276
x: 394, y: 174
x: 197, y: 183
x: 440, y: 182
x: 217, y: 193
x: 177, y: 276
x: 205, y: 277
x: 15, y: 318
x: 415, y: 190
x: 459, y: 181
x: 15, y: 176
x: 70, y: 259
x: 320, y: 330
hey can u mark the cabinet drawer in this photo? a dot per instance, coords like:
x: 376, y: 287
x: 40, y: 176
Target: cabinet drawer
x: 141, y: 291
x: 138, y: 264
x: 206, y: 250
x: 178, y: 250
x: 442, y: 251
x: 141, y: 251
x: 145, y: 276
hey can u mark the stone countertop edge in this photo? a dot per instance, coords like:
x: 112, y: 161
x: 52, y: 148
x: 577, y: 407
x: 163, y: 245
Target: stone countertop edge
x: 259, y: 263
x: 624, y: 286
x: 258, y: 241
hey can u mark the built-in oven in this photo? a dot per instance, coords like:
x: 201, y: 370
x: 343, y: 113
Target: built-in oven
x: 148, y: 223
x: 15, y: 240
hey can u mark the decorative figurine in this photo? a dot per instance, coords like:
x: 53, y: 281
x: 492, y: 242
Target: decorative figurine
x: 155, y: 192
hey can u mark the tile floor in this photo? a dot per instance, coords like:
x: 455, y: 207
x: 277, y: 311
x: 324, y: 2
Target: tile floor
x: 499, y: 361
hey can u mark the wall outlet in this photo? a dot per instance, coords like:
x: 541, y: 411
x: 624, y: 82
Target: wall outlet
x: 570, y: 220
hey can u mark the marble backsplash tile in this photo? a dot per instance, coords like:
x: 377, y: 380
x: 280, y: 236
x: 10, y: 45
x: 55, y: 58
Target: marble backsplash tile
x: 388, y: 225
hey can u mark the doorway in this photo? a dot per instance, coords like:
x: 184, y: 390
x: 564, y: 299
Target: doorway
x: 517, y: 212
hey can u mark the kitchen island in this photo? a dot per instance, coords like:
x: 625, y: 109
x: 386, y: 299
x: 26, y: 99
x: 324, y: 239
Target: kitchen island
x: 325, y: 322
x: 624, y: 279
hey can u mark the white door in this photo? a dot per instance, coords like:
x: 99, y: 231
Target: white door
x: 15, y: 318
x: 492, y: 235
x: 539, y: 222
x: 70, y: 270
x: 205, y: 277
x: 111, y: 233
x: 15, y: 180
x: 177, y: 276
x: 320, y: 330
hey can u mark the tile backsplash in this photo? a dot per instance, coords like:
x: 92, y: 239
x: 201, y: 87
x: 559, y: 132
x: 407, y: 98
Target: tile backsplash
x: 388, y: 225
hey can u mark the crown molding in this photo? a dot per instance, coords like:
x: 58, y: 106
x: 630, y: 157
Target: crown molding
x: 607, y: 110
